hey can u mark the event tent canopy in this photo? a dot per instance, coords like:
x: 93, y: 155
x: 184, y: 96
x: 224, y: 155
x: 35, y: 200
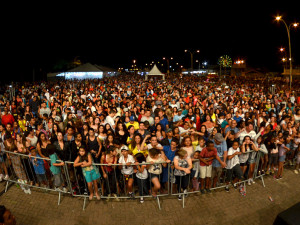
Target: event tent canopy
x: 155, y: 72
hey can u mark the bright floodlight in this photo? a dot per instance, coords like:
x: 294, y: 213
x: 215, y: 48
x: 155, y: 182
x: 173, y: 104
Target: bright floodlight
x: 278, y: 18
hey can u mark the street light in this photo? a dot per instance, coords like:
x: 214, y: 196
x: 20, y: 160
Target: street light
x: 288, y: 28
x: 192, y: 55
x: 168, y: 63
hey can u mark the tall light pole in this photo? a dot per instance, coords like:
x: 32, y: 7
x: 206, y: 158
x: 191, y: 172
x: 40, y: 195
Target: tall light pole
x: 192, y: 56
x: 168, y: 63
x: 288, y: 28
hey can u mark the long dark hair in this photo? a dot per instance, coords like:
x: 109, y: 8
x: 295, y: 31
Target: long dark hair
x: 133, y: 142
x: 83, y: 157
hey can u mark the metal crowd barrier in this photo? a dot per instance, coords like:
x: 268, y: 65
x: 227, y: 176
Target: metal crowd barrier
x: 23, y: 171
x: 189, y: 187
x: 115, y: 185
x: 34, y: 172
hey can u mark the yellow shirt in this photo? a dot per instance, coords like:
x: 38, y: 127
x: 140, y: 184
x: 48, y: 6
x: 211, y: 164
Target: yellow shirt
x: 22, y: 124
x: 136, y: 150
x: 135, y: 124
x: 195, y: 143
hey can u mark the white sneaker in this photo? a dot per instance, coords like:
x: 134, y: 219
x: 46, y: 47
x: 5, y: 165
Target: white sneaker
x: 6, y: 177
x: 296, y: 171
x: 253, y: 182
x: 1, y: 177
x: 185, y: 193
x: 28, y: 191
x: 249, y: 182
x: 65, y: 190
x: 141, y: 200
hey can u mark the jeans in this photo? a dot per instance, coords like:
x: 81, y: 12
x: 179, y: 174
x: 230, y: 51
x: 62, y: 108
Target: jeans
x: 143, y: 187
x: 182, y: 182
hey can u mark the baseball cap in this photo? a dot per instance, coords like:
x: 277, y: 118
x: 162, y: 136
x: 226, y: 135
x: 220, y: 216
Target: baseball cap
x: 168, y: 130
x: 219, y: 137
x: 131, y: 118
x: 124, y: 147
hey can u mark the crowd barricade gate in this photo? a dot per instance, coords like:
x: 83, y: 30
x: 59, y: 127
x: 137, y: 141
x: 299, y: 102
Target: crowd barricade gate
x: 186, y: 181
x: 116, y: 184
x: 22, y: 171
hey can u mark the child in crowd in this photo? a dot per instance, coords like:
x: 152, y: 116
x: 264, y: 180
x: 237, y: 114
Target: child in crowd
x: 126, y: 160
x: 2, y: 162
x: 297, y: 166
x: 196, y: 171
x: 38, y: 165
x: 155, y: 169
x: 141, y: 176
x: 183, y: 166
x: 90, y: 172
x: 282, y: 150
x: 55, y: 168
x: 233, y: 165
x: 297, y: 152
x: 207, y: 155
x: 201, y: 144
x: 273, y: 156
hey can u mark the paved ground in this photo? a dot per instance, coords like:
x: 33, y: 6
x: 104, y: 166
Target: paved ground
x: 219, y: 207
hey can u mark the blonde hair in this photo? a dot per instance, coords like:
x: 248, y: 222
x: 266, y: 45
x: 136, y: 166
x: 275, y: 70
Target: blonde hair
x: 181, y: 153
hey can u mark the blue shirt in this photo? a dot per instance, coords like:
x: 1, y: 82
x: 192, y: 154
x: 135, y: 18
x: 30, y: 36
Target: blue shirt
x: 168, y: 152
x: 177, y: 118
x: 164, y: 122
x: 38, y: 165
x: 221, y: 148
x: 236, y: 130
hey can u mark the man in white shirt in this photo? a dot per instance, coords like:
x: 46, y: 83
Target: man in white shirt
x: 110, y: 118
x: 248, y: 131
x: 148, y: 117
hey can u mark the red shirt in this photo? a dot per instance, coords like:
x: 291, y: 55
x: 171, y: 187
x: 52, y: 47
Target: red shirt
x: 8, y: 118
x: 205, y: 154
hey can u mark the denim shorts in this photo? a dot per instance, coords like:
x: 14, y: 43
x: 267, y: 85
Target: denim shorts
x: 282, y: 158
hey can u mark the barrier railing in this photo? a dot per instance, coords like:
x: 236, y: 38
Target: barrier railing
x: 118, y: 181
x: 34, y: 172
x: 187, y: 185
x: 115, y: 181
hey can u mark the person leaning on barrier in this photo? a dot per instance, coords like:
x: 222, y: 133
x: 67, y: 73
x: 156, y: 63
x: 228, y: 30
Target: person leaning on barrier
x: 6, y: 217
x: 155, y: 169
x: 220, y: 161
x: 183, y: 165
x: 55, y: 168
x: 90, y: 172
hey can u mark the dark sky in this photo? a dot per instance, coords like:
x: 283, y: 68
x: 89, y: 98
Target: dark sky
x: 115, y: 35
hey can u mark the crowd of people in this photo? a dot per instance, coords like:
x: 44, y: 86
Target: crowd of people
x: 186, y: 130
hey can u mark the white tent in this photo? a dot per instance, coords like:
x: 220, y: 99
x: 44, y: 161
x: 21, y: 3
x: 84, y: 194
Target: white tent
x: 155, y: 72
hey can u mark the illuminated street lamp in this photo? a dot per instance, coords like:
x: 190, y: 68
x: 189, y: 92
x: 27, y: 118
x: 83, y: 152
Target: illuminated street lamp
x: 168, y: 63
x: 288, y: 28
x: 192, y: 55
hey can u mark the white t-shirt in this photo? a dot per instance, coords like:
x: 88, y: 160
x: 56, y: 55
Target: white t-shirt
x: 110, y: 121
x: 142, y: 175
x: 235, y: 160
x: 155, y: 168
x: 149, y: 146
x: 182, y: 130
x: 127, y: 170
x: 252, y: 134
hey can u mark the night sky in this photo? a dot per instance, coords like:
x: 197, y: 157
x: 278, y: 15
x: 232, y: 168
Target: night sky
x: 115, y: 35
